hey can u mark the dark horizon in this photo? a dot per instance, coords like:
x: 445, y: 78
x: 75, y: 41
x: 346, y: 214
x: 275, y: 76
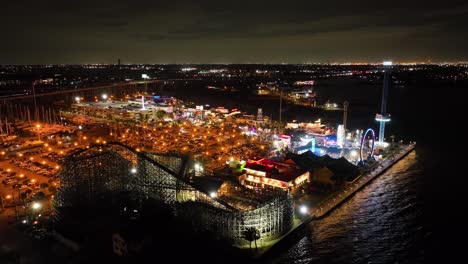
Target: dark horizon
x: 351, y: 63
x: 206, y: 32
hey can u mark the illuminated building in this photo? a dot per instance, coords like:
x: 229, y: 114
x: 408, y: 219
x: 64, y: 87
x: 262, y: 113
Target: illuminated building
x: 259, y: 115
x: 340, y: 136
x: 267, y: 174
x: 311, y: 128
x: 138, y: 108
x: 309, y: 82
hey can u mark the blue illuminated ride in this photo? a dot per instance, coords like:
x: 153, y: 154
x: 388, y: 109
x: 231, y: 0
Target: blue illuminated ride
x: 363, y: 140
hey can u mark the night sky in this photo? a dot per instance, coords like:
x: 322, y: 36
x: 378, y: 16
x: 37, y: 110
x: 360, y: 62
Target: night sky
x: 206, y: 31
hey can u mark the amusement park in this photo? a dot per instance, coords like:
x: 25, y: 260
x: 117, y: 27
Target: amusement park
x: 242, y: 177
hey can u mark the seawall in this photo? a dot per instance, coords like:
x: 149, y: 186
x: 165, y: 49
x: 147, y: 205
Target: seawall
x: 328, y: 205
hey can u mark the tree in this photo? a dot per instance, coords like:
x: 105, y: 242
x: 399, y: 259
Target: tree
x: 252, y: 234
x: 39, y: 195
x: 248, y: 235
x: 44, y: 185
x: 23, y: 196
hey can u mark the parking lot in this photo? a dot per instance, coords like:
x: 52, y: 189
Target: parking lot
x: 30, y: 174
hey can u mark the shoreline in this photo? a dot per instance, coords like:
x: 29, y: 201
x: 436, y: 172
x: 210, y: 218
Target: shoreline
x: 333, y: 202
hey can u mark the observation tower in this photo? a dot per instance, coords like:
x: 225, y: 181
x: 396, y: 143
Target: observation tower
x: 383, y: 117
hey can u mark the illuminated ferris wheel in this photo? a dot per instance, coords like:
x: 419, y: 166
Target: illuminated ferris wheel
x: 363, y: 140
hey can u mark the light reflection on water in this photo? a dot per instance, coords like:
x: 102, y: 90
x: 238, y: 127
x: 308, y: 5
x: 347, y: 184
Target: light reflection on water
x: 382, y: 223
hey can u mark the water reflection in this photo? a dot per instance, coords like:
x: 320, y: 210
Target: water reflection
x: 382, y: 223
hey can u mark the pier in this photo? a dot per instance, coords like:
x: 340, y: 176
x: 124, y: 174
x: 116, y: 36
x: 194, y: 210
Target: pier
x: 333, y: 201
x: 336, y: 199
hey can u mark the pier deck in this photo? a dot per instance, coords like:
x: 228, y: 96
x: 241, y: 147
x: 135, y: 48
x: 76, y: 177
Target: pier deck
x: 336, y: 199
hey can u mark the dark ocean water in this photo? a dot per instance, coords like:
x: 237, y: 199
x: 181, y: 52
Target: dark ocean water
x: 382, y: 223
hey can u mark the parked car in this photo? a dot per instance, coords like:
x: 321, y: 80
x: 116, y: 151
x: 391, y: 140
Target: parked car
x: 9, y: 181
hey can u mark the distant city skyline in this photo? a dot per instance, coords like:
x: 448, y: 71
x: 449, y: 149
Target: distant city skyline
x: 360, y: 63
x: 208, y: 31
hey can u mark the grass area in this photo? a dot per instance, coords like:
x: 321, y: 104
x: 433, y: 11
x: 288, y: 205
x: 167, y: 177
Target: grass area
x: 264, y: 246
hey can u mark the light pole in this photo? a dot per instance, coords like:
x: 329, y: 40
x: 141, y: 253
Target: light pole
x: 280, y: 108
x: 35, y: 206
x: 36, y: 115
x: 38, y: 126
x: 16, y: 206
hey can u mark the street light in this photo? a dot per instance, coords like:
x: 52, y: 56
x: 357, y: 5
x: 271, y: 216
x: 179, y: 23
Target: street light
x: 38, y: 126
x: 213, y: 194
x: 133, y: 170
x: 77, y: 99
x: 104, y: 96
x: 303, y: 209
x: 36, y: 206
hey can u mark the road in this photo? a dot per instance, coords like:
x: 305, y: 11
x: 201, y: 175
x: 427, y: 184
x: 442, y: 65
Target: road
x: 91, y: 88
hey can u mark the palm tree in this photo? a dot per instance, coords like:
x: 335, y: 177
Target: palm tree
x: 256, y: 237
x: 248, y: 235
x: 252, y: 234
x: 23, y: 196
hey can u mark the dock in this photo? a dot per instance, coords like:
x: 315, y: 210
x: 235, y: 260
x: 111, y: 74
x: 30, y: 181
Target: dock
x: 335, y: 200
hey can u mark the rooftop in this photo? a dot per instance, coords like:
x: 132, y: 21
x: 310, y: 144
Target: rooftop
x: 285, y: 172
